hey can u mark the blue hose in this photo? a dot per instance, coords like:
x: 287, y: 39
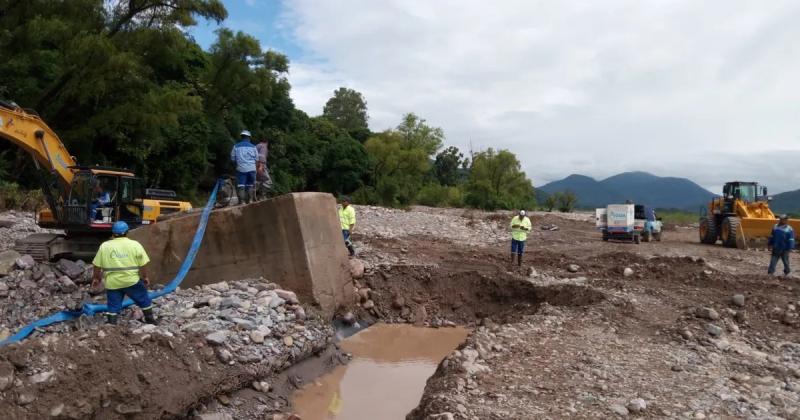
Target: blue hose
x: 91, y: 309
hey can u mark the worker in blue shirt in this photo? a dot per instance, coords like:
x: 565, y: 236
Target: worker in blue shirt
x: 102, y: 199
x: 245, y: 155
x: 781, y: 243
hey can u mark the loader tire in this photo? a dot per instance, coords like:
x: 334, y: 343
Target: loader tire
x: 730, y: 231
x: 708, y: 231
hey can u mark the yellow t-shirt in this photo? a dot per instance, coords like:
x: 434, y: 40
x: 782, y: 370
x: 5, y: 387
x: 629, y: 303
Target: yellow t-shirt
x: 120, y: 259
x: 347, y: 216
x: 520, y: 233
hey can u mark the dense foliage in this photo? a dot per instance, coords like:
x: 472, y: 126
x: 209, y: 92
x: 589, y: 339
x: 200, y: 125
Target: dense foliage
x: 124, y: 85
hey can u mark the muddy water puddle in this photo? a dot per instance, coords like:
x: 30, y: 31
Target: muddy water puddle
x: 386, y: 377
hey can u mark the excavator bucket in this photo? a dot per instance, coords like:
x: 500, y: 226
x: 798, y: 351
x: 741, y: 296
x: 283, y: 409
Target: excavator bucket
x: 294, y: 240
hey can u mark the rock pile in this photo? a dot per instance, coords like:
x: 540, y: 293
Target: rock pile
x: 17, y: 225
x: 420, y: 221
x: 31, y: 290
x: 243, y: 320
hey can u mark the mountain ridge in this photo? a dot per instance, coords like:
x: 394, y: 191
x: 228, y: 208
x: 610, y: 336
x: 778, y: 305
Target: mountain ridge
x: 638, y: 186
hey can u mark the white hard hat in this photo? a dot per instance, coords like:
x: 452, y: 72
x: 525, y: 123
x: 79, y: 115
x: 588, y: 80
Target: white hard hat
x: 246, y: 133
x: 522, y: 212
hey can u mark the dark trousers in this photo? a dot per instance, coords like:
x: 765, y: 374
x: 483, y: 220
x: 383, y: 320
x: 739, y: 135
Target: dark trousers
x: 773, y: 262
x: 137, y: 293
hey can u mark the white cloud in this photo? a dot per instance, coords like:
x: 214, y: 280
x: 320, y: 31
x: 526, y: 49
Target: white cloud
x: 706, y: 90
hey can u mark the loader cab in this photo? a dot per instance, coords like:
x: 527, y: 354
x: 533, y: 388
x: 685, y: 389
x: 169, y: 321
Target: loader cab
x: 98, y: 197
x: 745, y: 191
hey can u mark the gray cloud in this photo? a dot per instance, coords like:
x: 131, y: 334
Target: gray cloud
x: 706, y: 90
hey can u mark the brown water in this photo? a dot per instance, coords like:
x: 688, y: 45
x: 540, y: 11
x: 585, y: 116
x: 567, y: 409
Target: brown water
x: 386, y: 377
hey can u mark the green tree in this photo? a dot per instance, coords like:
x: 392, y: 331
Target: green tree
x: 447, y: 166
x: 398, y: 169
x: 348, y: 110
x: 566, y: 201
x: 551, y: 201
x: 114, y: 79
x: 497, y: 181
x: 417, y: 133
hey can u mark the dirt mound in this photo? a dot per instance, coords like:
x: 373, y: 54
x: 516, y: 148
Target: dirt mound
x: 114, y: 373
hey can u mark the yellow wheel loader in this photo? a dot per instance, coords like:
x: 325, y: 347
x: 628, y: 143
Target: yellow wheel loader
x: 82, y: 201
x: 742, y: 214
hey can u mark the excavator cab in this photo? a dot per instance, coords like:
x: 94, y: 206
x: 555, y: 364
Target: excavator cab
x: 100, y: 197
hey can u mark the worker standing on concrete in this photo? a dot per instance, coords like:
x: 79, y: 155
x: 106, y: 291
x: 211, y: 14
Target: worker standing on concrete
x: 262, y: 171
x: 781, y: 243
x: 347, y: 217
x: 520, y: 226
x: 123, y: 262
x: 245, y: 155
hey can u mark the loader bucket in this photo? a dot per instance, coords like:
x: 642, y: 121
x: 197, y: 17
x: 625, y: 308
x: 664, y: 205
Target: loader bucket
x: 757, y: 228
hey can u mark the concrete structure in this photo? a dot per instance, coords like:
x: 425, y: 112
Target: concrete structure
x: 294, y: 240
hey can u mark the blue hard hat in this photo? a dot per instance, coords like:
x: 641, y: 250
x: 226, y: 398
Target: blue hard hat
x: 119, y: 228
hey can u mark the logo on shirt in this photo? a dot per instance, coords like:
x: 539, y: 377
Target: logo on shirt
x: 118, y: 254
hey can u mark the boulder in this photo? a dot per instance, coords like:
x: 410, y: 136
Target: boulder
x: 257, y: 336
x: 25, y: 262
x: 217, y: 338
x: 637, y: 405
x: 69, y: 268
x: 287, y: 295
x: 713, y: 330
x: 6, y: 375
x: 707, y: 313
x: 66, y: 284
x: 356, y: 268
x: 215, y: 416
x: 738, y: 300
x: 8, y: 261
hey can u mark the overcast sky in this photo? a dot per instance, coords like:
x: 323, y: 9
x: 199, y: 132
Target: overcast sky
x: 706, y: 90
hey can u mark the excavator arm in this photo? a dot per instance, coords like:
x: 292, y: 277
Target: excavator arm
x: 29, y: 132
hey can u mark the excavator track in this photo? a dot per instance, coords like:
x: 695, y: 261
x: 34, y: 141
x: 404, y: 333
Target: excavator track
x: 51, y: 246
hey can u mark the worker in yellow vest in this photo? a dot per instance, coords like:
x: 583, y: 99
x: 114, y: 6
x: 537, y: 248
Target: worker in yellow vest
x: 520, y: 226
x: 347, y: 218
x: 123, y: 262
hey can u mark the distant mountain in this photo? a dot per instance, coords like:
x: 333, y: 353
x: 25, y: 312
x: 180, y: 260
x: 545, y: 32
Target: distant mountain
x: 788, y: 202
x: 639, y: 187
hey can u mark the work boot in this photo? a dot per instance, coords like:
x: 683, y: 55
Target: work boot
x: 519, y: 260
x: 240, y: 193
x: 352, y: 250
x: 149, y: 318
x: 251, y: 195
x: 111, y: 319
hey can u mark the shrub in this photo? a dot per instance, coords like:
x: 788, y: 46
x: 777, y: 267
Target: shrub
x: 14, y: 197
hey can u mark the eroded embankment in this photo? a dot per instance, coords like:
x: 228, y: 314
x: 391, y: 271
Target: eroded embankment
x: 211, y: 341
x: 438, y: 297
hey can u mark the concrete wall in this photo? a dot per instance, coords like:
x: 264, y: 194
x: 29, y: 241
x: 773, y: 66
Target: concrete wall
x: 294, y: 240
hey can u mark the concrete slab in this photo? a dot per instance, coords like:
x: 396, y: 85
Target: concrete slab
x: 293, y: 240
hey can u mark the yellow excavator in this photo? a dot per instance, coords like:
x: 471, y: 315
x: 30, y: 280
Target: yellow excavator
x: 83, y: 201
x: 742, y: 214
